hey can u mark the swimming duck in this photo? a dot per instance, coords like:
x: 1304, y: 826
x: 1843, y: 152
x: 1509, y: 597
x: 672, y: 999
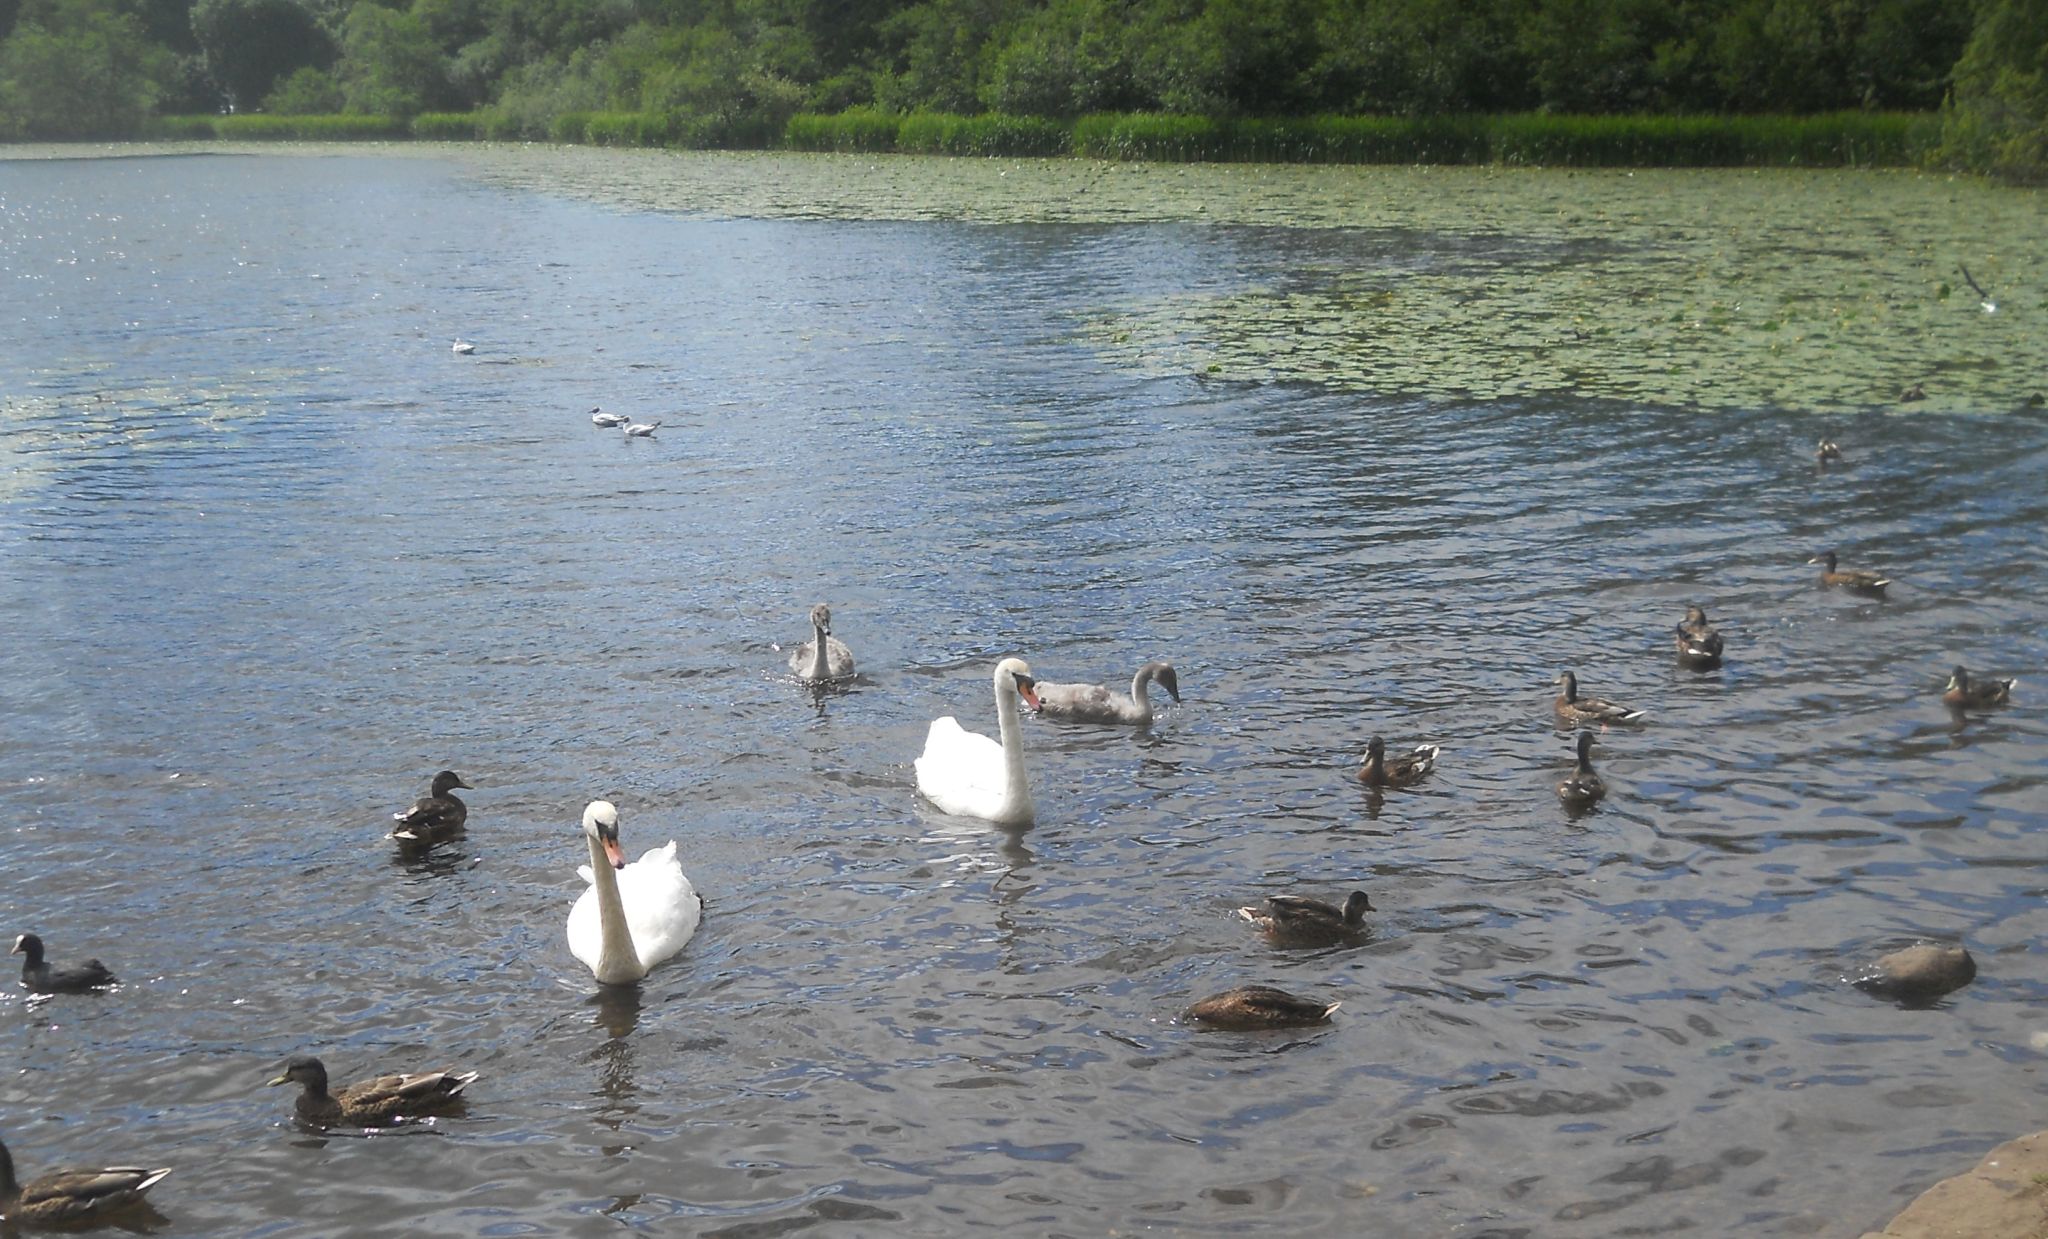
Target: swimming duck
x: 824, y: 656
x: 463, y: 348
x: 43, y: 979
x: 610, y: 421
x: 439, y: 812
x: 1963, y: 692
x: 1574, y: 709
x: 1583, y: 785
x: 642, y: 430
x: 1295, y: 920
x: 71, y: 1195
x: 371, y: 1103
x: 1827, y: 451
x: 1259, y: 1006
x: 1855, y: 580
x: 1699, y: 643
x: 1098, y: 703
x: 1402, y: 770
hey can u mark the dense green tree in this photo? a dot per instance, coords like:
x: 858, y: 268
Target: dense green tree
x: 390, y: 66
x: 306, y: 91
x: 1420, y: 57
x: 248, y: 45
x: 1075, y: 58
x: 1999, y: 118
x: 934, y: 54
x: 79, y: 69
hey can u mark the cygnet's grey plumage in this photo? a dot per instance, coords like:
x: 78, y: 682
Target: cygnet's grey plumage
x: 1098, y: 703
x: 836, y: 662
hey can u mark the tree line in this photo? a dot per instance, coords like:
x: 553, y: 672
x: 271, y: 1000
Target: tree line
x: 733, y: 72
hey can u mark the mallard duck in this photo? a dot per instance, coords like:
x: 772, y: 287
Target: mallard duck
x: 1259, y: 1006
x: 1699, y: 642
x: 1583, y: 785
x: 1855, y: 580
x: 1963, y: 692
x: 43, y: 979
x: 824, y: 656
x: 1401, y: 771
x: 609, y: 421
x: 439, y: 812
x: 70, y: 1195
x: 371, y: 1103
x: 1574, y: 709
x: 1294, y: 920
x: 1827, y: 451
x: 1099, y: 703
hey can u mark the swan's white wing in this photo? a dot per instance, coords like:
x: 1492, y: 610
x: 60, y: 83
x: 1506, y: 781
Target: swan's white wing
x: 961, y: 771
x: 662, y: 908
x: 586, y: 936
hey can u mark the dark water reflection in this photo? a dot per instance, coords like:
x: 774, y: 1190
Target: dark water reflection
x: 273, y: 555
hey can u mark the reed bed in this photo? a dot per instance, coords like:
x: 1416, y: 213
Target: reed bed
x: 1836, y: 139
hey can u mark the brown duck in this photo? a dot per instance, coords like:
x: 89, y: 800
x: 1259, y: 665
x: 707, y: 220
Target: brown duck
x: 1259, y: 1006
x: 1966, y: 693
x: 1583, y: 786
x: 371, y: 1103
x: 1400, y: 771
x: 1574, y: 709
x: 437, y: 813
x: 1295, y: 920
x: 1827, y: 451
x: 1855, y: 580
x: 65, y: 1196
x: 1699, y: 642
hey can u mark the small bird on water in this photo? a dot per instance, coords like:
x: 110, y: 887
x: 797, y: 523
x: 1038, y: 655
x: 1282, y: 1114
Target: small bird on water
x: 598, y: 417
x: 642, y: 430
x: 463, y: 348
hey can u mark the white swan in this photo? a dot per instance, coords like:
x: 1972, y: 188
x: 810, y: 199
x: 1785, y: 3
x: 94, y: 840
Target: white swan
x: 632, y: 919
x: 971, y: 775
x: 642, y: 430
x: 1098, y: 703
x: 463, y: 348
x: 824, y: 657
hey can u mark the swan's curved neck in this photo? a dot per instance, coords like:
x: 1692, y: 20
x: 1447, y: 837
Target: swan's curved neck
x: 616, y: 961
x: 1016, y: 792
x: 821, y: 668
x: 1141, y: 690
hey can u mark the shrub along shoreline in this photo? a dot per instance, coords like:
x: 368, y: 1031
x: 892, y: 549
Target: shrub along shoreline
x: 1835, y: 139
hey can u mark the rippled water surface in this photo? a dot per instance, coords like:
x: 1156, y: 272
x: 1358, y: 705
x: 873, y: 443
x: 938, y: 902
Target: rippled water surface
x: 271, y: 554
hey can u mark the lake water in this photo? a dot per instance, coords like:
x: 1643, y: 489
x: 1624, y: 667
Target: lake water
x: 271, y: 554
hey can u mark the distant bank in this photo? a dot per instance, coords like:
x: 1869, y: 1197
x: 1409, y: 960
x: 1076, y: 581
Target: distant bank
x: 1835, y: 139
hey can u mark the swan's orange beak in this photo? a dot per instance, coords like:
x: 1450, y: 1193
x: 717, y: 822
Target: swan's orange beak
x: 613, y: 854
x: 1029, y: 693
